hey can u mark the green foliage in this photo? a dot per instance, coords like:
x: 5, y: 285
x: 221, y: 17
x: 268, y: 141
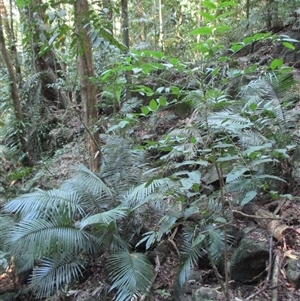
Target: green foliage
x: 129, y: 271
x: 19, y: 173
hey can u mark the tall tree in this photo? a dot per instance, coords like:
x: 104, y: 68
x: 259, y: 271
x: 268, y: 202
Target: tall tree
x: 45, y: 61
x: 87, y: 86
x: 15, y: 96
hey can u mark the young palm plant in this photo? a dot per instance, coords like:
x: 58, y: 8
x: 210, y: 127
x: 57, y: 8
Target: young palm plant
x: 56, y: 230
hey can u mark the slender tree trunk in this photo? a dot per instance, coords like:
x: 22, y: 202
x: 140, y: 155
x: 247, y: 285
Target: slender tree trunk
x: 125, y: 23
x: 15, y: 97
x: 125, y: 35
x: 87, y: 87
x: 161, y: 32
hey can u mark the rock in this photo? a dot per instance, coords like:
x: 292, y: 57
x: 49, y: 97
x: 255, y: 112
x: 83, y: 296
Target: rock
x: 206, y: 294
x: 293, y: 272
x: 185, y: 292
x: 248, y: 262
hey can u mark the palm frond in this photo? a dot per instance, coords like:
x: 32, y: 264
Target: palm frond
x: 142, y: 193
x: 6, y: 223
x: 105, y: 217
x: 52, y: 273
x: 92, y: 182
x: 43, y: 203
x: 122, y: 164
x: 43, y: 237
x: 192, y: 250
x: 130, y: 272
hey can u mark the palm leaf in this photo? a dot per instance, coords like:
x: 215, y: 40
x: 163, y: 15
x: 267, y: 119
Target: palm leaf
x: 192, y: 250
x: 105, y: 217
x: 130, y: 272
x: 122, y: 164
x: 43, y: 237
x: 52, y: 273
x: 43, y: 203
x: 142, y: 193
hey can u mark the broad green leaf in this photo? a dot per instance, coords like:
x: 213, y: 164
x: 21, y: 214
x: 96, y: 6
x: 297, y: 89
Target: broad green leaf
x: 202, y: 31
x: 220, y: 219
x: 250, y: 195
x: 153, y: 105
x: 237, y: 47
x: 208, y: 16
x: 228, y: 158
x: 288, y: 45
x: 253, y: 106
x: 209, y: 4
x: 227, y: 3
x: 277, y: 63
x: 137, y: 70
x: 249, y: 40
x: 191, y: 162
x: 162, y: 101
x: 222, y: 29
x: 143, y: 90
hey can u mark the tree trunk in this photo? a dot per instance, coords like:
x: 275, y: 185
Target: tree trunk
x: 15, y: 97
x: 125, y: 35
x: 47, y: 62
x: 87, y: 87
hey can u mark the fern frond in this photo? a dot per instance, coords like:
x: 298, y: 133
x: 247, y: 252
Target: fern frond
x: 228, y: 121
x: 251, y: 137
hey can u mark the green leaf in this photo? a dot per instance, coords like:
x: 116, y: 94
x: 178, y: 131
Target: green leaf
x: 208, y: 16
x: 257, y: 148
x: 209, y: 4
x: 277, y: 63
x: 131, y: 273
x: 105, y: 217
x: 162, y: 101
x: 227, y: 3
x: 145, y: 110
x: 168, y: 222
x: 202, y: 31
x: 250, y: 195
x: 153, y: 105
x: 220, y: 220
x: 235, y: 173
x: 288, y: 45
x: 222, y: 29
x: 228, y: 158
x: 236, y: 47
x: 149, y: 238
